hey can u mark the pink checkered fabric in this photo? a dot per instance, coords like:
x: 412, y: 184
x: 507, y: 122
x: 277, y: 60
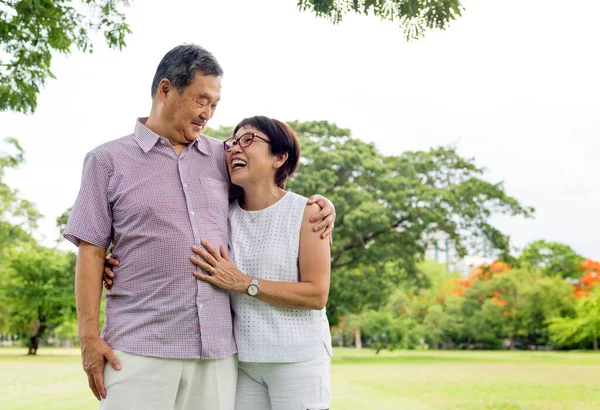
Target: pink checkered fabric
x: 154, y: 206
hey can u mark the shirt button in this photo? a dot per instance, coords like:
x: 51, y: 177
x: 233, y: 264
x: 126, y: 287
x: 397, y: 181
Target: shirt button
x: 185, y: 185
x: 200, y: 306
x: 192, y: 213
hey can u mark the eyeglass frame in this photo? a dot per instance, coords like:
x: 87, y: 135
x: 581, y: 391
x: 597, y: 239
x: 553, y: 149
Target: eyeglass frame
x: 236, y: 141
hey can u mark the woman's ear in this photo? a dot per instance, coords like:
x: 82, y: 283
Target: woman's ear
x: 281, y: 158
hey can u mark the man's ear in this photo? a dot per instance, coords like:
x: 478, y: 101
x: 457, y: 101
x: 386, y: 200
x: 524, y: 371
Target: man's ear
x: 164, y: 88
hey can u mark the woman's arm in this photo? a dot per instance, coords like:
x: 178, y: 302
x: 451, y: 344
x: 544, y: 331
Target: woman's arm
x: 314, y: 265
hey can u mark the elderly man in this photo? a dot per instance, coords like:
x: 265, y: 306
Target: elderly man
x: 154, y: 194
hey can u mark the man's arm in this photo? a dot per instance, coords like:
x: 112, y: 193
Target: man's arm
x: 88, y: 292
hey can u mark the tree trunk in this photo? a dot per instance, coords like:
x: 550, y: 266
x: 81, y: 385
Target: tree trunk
x: 34, y: 340
x: 511, y: 341
x: 357, y: 341
x: 595, y: 344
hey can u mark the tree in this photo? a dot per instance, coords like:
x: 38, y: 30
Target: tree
x: 389, y: 207
x: 524, y: 299
x: 31, y: 30
x: 384, y: 329
x: 543, y: 298
x: 40, y: 295
x: 61, y: 222
x: 583, y: 328
x: 18, y: 216
x: 590, y: 278
x: 481, y: 317
x: 553, y: 258
x: 222, y: 133
x: 513, y: 303
x: 482, y: 272
x: 412, y: 316
x: 413, y: 16
x: 360, y: 288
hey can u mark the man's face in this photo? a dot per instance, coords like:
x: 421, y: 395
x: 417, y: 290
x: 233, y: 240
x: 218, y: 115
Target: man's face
x: 185, y: 114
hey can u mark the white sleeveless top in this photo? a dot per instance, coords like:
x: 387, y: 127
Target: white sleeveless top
x: 265, y: 244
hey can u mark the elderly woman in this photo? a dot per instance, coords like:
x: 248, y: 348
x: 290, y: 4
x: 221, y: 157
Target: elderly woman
x: 280, y: 278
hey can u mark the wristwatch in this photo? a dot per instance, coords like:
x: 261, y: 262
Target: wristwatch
x: 253, y: 287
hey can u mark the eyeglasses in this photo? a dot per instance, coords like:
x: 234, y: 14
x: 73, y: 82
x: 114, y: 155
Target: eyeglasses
x: 243, y: 141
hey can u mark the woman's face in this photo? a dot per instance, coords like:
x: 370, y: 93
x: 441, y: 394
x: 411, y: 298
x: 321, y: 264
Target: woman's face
x: 253, y: 164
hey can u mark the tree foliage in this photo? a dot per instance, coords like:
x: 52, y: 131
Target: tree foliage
x: 501, y: 308
x: 385, y: 330
x: 18, y: 216
x: 553, y: 258
x: 61, y: 222
x: 40, y: 295
x: 583, y: 328
x: 414, y: 17
x: 31, y: 30
x: 389, y: 207
x: 515, y: 306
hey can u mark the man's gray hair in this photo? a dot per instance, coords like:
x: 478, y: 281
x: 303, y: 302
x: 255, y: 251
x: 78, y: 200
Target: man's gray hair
x: 181, y: 64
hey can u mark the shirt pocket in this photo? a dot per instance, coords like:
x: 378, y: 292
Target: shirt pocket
x: 214, y: 204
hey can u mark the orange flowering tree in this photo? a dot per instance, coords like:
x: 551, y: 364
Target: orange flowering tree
x: 502, y: 303
x: 589, y: 279
x: 497, y: 306
x: 482, y: 272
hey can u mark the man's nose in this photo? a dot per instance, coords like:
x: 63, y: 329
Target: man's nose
x: 207, y: 113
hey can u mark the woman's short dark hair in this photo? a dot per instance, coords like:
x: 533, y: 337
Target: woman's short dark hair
x: 283, y: 141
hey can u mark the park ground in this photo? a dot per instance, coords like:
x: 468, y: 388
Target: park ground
x: 413, y: 380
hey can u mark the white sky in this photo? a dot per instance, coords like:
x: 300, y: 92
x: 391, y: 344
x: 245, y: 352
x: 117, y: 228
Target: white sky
x: 514, y: 84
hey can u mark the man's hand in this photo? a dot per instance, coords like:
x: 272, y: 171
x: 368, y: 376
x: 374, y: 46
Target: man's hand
x: 325, y: 219
x: 94, y: 353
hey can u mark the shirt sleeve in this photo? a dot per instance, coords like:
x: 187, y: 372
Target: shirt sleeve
x: 91, y: 217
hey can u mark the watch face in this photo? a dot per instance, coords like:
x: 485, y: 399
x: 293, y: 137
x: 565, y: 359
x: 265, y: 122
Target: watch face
x: 252, y: 290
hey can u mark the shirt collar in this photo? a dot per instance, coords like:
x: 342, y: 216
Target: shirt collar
x: 146, y: 138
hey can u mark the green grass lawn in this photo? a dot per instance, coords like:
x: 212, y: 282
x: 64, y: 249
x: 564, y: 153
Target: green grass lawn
x: 416, y: 380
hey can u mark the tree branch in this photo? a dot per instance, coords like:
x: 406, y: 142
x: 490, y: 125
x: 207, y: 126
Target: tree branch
x: 364, y: 239
x: 340, y: 265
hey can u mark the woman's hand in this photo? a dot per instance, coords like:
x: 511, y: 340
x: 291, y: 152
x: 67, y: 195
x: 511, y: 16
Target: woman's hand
x: 109, y: 275
x: 218, y: 268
